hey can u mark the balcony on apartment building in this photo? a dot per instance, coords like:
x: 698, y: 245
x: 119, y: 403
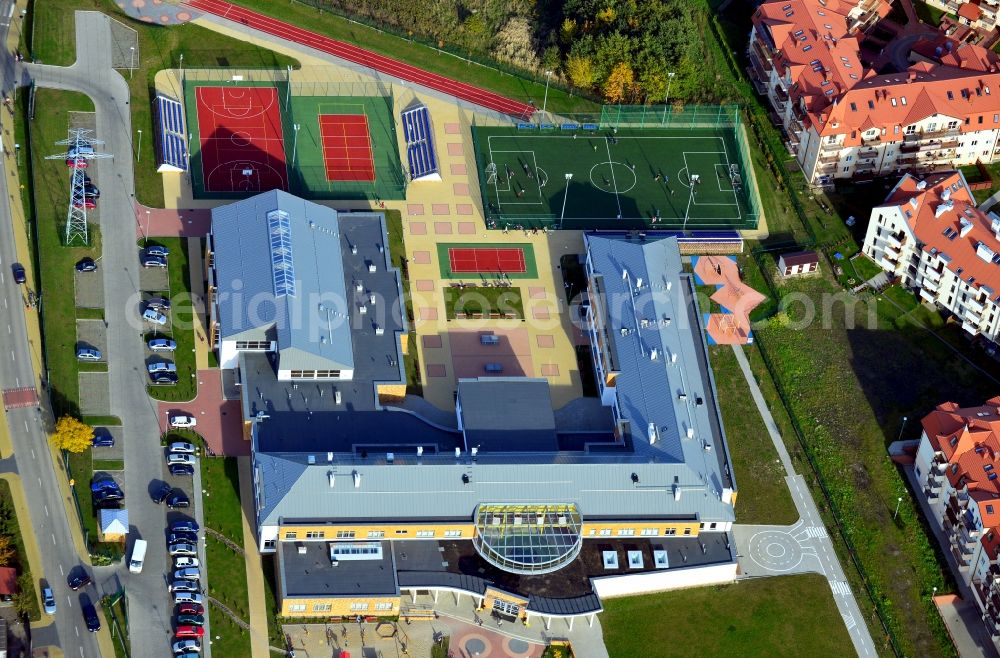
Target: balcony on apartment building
x: 935, y: 478
x: 867, y: 153
x: 988, y: 593
x: 928, y: 295
x: 780, y: 94
x: 974, y: 305
x: 829, y: 159
x: 970, y: 328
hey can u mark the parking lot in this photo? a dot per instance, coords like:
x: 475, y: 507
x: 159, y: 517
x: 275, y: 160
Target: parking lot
x: 154, y: 279
x: 94, y: 394
x: 89, y: 289
x: 93, y: 334
x: 104, y: 453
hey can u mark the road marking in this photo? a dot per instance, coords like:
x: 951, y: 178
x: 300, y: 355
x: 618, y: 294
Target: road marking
x: 68, y: 600
x: 61, y: 573
x: 53, y: 540
x: 32, y: 450
x: 77, y: 629
x: 39, y: 481
x: 12, y: 355
x: 8, y: 329
x: 46, y: 509
x: 81, y: 652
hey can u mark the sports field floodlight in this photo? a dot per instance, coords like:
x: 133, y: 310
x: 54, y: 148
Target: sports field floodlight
x: 545, y: 101
x: 666, y: 99
x: 131, y: 61
x: 295, y: 142
x: 562, y: 215
x: 138, y: 150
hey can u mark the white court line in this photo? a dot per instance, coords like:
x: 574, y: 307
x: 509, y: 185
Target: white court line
x: 618, y: 200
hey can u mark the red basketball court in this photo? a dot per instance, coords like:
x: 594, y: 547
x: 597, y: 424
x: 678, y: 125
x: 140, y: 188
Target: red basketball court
x: 486, y: 260
x: 347, y: 148
x: 242, y: 148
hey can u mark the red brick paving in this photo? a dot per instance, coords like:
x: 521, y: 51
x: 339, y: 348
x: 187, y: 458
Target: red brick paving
x: 219, y: 420
x: 170, y: 222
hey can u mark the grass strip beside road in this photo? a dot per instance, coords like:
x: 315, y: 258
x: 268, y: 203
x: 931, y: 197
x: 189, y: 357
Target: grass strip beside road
x: 10, y: 526
x: 767, y: 617
x: 760, y: 477
x: 54, y: 42
x: 227, y: 576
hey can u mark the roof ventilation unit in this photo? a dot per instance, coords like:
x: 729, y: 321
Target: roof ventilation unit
x: 943, y: 208
x: 946, y: 194
x: 389, y: 457
x: 357, y: 480
x: 420, y: 451
x: 654, y: 434
x: 331, y: 479
x: 458, y: 452
x: 965, y: 228
x: 301, y: 548
x: 311, y: 459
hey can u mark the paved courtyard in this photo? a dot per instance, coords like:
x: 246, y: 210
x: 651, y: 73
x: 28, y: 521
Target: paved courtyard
x: 117, y: 451
x: 93, y: 334
x: 218, y: 418
x: 154, y: 279
x: 94, y: 394
x: 89, y: 289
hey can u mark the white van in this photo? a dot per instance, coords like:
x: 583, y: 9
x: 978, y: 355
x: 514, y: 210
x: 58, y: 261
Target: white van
x: 138, y: 555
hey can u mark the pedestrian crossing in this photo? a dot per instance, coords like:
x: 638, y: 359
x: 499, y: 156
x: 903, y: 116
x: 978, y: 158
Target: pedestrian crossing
x: 840, y: 588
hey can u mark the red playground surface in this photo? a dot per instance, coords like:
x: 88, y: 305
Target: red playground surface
x: 242, y: 148
x: 392, y: 67
x: 347, y: 149
x: 464, y: 260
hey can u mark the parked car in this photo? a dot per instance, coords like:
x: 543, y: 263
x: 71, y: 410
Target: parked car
x: 18, y: 270
x: 163, y: 377
x: 158, y: 303
x: 181, y: 447
x: 154, y: 261
x: 103, y: 440
x: 87, y: 203
x: 90, y: 190
x: 162, y: 345
x: 76, y: 163
x: 190, y: 608
x: 161, y: 366
x: 185, y: 586
x: 86, y: 265
x: 157, y: 250
x: 187, y: 646
x: 183, y: 549
x: 188, y: 654
x: 154, y: 316
x: 186, y: 563
x: 190, y: 573
x: 102, y: 484
x: 173, y: 459
x: 189, y: 631
x: 181, y: 469
x: 182, y: 538
x: 186, y: 525
x: 88, y: 354
x: 90, y: 616
x: 191, y: 620
x: 178, y: 500
x: 48, y: 601
x: 162, y: 493
x: 108, y: 498
x: 78, y: 578
x: 183, y: 421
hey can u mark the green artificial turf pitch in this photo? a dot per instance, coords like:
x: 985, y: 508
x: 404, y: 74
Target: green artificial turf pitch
x: 615, y: 180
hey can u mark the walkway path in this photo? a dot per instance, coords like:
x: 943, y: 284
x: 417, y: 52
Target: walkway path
x: 255, y: 572
x: 352, y: 53
x: 170, y: 222
x: 804, y: 546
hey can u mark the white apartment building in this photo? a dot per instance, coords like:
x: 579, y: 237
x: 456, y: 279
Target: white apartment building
x: 844, y: 121
x: 932, y: 238
x: 977, y: 14
x: 957, y: 466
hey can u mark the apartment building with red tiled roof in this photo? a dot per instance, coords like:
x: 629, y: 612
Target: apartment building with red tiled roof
x: 845, y: 121
x: 958, y: 471
x: 931, y: 237
x: 978, y: 14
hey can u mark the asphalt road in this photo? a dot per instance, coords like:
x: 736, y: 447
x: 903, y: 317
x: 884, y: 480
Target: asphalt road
x: 150, y: 606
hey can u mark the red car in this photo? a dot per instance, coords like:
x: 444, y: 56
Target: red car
x: 80, y: 163
x: 190, y: 609
x: 189, y: 631
x: 87, y: 203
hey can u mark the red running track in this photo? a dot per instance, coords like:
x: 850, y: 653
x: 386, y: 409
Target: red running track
x: 363, y: 57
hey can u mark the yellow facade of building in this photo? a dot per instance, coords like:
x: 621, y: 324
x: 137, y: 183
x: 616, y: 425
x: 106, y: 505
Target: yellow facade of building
x: 330, y: 606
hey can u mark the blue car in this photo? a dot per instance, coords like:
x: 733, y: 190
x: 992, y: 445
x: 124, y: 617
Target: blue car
x: 103, y: 441
x: 157, y: 250
x: 183, y: 526
x: 103, y: 484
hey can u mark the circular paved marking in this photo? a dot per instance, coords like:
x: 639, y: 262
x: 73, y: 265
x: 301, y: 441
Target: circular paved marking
x: 775, y: 550
x: 518, y: 646
x: 474, y: 646
x: 622, y: 174
x: 241, y: 138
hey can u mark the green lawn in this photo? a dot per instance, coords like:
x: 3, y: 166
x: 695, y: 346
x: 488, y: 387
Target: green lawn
x: 54, y: 42
x: 760, y: 477
x: 848, y: 388
x: 419, y: 55
x: 117, y: 618
x: 10, y: 526
x: 181, y: 330
x: 928, y: 14
x: 397, y: 255
x: 51, y: 197
x: 474, y: 300
x: 227, y: 576
x: 769, y: 617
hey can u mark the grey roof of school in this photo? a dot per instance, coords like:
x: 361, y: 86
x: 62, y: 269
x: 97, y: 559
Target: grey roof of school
x: 508, y: 413
x: 285, y: 282
x: 312, y: 574
x: 674, y: 478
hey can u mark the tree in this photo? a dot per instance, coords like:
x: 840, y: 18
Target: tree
x: 607, y: 15
x: 551, y: 58
x: 7, y: 551
x: 580, y: 71
x: 619, y: 83
x: 72, y: 435
x: 567, y: 32
x: 515, y: 44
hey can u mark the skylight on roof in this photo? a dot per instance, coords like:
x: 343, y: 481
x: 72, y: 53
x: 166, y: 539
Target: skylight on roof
x: 282, y: 271
x: 807, y: 48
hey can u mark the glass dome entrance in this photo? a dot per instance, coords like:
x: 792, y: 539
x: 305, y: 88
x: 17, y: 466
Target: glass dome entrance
x: 528, y: 539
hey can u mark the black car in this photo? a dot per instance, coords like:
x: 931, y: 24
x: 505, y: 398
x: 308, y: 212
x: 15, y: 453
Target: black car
x: 86, y: 265
x: 163, y: 377
x: 90, y: 616
x: 90, y: 190
x: 103, y: 440
x: 18, y: 270
x: 158, y: 304
x: 162, y: 493
x: 78, y: 578
x: 181, y: 469
x: 108, y: 499
x: 182, y: 538
x: 157, y: 250
x: 178, y: 500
